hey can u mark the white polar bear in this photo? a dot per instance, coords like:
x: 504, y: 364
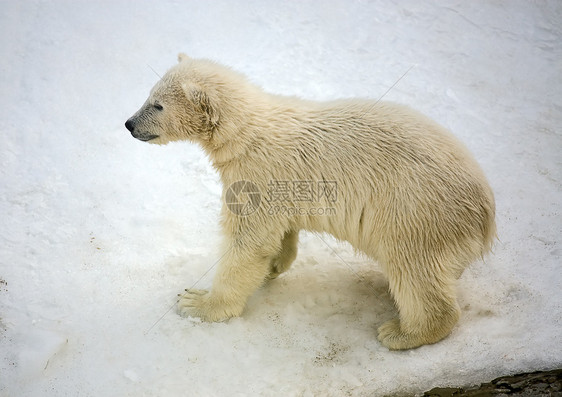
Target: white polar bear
x: 403, y: 190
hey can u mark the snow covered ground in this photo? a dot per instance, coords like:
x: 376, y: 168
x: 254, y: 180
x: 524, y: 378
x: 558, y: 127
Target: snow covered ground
x: 99, y: 231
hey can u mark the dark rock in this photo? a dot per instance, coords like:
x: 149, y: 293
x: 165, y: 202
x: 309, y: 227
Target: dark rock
x: 542, y: 383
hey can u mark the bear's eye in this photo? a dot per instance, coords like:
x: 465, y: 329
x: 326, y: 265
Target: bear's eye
x: 157, y: 106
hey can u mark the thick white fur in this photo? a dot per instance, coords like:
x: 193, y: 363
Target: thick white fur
x: 409, y: 195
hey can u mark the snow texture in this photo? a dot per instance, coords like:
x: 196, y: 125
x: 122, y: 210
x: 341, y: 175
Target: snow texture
x: 99, y: 231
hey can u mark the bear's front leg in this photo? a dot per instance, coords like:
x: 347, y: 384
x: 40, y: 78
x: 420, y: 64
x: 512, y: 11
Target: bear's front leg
x: 241, y: 271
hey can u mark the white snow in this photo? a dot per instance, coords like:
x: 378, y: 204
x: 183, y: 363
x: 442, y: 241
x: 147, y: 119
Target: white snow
x: 99, y: 231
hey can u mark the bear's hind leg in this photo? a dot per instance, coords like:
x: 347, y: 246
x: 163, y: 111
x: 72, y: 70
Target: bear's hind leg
x: 427, y: 306
x: 282, y: 262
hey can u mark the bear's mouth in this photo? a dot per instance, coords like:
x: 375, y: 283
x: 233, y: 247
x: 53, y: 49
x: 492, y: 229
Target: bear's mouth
x: 146, y: 138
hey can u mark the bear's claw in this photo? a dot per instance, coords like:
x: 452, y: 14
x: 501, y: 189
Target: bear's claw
x: 191, y: 303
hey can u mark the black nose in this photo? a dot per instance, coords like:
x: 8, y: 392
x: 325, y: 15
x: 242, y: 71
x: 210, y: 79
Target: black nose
x: 130, y: 126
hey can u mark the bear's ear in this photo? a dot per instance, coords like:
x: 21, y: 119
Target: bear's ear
x: 182, y: 57
x: 203, y: 102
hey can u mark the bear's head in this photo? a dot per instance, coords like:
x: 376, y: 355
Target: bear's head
x: 181, y: 106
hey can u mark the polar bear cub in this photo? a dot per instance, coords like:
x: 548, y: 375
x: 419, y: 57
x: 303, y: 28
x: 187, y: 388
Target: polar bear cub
x: 398, y: 187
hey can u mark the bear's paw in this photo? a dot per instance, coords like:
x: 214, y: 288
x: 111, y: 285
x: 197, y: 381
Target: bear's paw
x: 392, y: 336
x: 202, y: 304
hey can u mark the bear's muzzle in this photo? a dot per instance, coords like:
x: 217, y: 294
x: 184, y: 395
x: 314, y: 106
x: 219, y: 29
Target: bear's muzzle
x: 130, y: 125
